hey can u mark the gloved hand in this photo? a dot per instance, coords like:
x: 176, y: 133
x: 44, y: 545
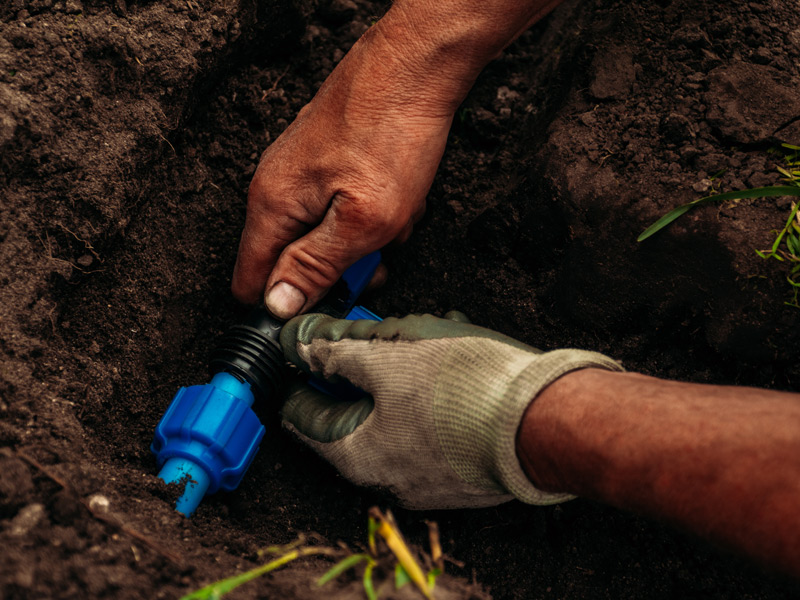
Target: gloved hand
x: 447, y: 398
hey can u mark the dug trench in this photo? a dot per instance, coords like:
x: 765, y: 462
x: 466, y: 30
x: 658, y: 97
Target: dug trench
x: 129, y: 133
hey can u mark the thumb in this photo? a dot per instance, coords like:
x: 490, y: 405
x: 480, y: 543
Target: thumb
x: 309, y: 266
x: 321, y: 417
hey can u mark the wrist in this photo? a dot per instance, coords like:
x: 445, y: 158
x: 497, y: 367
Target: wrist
x: 538, y: 379
x: 430, y: 53
x: 552, y: 437
x: 434, y: 51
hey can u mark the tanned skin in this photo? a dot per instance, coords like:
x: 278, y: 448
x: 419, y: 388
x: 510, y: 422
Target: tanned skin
x: 721, y: 462
x: 351, y: 173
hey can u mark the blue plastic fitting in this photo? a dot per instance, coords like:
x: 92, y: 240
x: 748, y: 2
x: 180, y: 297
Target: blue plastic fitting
x: 209, y: 435
x: 207, y: 438
x: 358, y: 276
x: 359, y: 312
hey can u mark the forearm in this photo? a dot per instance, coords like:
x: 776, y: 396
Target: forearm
x: 438, y: 48
x: 722, y: 462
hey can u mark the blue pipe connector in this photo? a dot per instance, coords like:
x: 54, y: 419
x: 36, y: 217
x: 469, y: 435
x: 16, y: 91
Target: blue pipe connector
x: 207, y: 438
x: 209, y: 435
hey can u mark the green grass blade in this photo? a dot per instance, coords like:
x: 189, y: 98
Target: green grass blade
x: 343, y: 565
x: 793, y: 243
x: 369, y: 588
x: 786, y: 227
x: 372, y: 528
x: 432, y: 575
x: 401, y: 576
x: 663, y: 222
x: 762, y: 192
x: 223, y: 586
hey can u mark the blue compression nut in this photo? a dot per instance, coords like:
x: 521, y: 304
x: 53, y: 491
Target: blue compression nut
x: 207, y: 438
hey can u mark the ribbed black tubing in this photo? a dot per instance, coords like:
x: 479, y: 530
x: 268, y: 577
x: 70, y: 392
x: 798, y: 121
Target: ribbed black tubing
x: 252, y: 352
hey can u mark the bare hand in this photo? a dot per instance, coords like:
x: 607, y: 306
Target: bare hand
x: 351, y: 173
x: 348, y: 176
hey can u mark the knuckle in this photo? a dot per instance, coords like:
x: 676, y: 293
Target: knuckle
x: 318, y: 270
x: 385, y: 216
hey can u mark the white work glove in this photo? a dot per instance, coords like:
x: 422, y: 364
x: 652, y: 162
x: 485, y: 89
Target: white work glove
x: 446, y: 399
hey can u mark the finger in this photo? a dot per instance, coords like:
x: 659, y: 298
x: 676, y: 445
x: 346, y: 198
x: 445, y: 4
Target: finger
x: 457, y: 316
x: 275, y: 218
x: 321, y: 417
x: 308, y: 267
x: 379, y: 278
x: 302, y: 339
x: 258, y: 252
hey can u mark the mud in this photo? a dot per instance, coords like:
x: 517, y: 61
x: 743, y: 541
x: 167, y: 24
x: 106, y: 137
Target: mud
x: 128, y: 134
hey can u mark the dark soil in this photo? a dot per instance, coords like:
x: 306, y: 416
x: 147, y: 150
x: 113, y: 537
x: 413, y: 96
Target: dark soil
x: 129, y: 132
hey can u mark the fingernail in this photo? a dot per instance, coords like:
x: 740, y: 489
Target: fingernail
x: 284, y: 300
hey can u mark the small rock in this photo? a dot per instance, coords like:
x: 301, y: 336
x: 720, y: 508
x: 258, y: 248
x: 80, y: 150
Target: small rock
x: 485, y: 124
x: 99, y: 504
x: 507, y: 95
x: 789, y: 134
x: 702, y: 186
x: 26, y: 519
x: 696, y: 77
x: 8, y: 127
x: 86, y: 260
x: 25, y: 575
x: 736, y: 184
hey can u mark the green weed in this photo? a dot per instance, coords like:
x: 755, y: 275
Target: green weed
x: 390, y: 555
x: 786, y: 247
x: 406, y: 568
x: 793, y: 189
